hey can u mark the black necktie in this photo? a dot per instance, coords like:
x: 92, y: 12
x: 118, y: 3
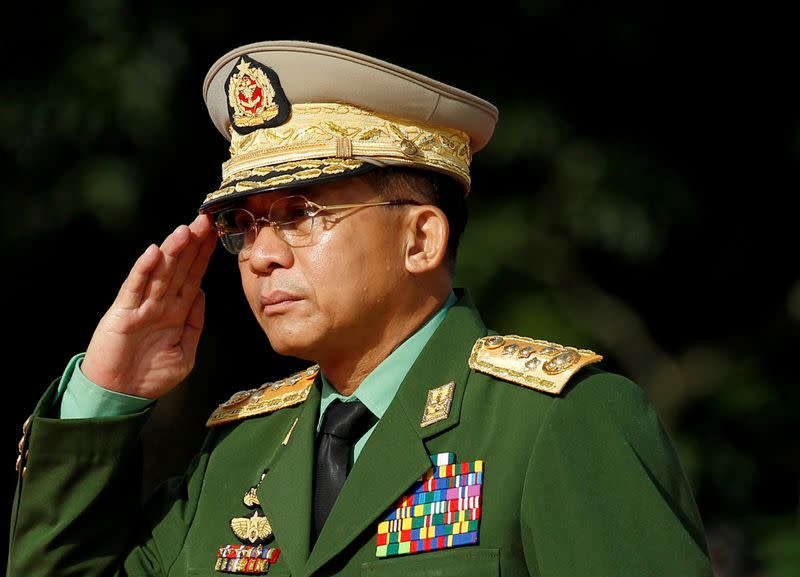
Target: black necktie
x: 342, y: 426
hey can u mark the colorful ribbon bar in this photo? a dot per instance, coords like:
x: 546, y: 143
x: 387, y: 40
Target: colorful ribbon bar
x: 247, y: 566
x: 249, y: 552
x: 422, y: 497
x: 434, y: 508
x: 247, y: 559
x: 440, y: 459
x: 428, y: 532
x: 437, y: 484
x: 427, y: 544
x: 441, y: 510
x: 449, y: 518
x: 453, y: 469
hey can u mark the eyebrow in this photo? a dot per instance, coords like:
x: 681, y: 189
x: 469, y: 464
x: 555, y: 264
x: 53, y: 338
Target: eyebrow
x: 265, y: 199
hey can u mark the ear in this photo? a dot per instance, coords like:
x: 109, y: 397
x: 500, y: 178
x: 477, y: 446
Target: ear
x: 426, y: 234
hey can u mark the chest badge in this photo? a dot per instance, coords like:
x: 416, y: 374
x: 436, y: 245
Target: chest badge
x: 440, y: 511
x: 252, y: 557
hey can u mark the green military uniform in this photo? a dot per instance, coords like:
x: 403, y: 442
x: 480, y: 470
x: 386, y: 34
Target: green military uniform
x: 584, y: 482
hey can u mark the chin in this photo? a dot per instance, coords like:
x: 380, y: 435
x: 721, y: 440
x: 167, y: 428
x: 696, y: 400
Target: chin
x: 292, y: 345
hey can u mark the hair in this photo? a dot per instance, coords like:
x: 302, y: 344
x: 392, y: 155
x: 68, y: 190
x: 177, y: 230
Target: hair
x: 429, y: 187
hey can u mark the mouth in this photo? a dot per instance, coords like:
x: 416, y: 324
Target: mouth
x: 278, y: 301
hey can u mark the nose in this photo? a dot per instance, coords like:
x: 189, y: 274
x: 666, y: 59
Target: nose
x: 268, y: 252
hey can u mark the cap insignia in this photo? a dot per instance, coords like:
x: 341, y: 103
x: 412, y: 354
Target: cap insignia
x: 255, y: 97
x: 532, y: 363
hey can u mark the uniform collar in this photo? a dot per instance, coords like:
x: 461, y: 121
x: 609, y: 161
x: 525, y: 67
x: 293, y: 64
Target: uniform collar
x: 379, y: 387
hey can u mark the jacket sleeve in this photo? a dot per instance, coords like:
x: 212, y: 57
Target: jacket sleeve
x: 605, y: 494
x: 78, y: 509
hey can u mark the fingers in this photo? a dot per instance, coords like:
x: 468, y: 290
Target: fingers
x: 177, y: 266
x: 194, y: 275
x: 133, y: 289
x: 199, y: 230
x: 193, y: 327
x: 172, y: 252
x: 179, y: 253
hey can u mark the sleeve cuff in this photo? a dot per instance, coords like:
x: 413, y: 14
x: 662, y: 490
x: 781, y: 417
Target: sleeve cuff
x: 82, y: 399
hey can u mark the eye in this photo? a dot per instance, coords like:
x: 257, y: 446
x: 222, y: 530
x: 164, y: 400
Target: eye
x: 289, y: 210
x: 235, y: 220
x: 234, y: 242
x: 234, y: 227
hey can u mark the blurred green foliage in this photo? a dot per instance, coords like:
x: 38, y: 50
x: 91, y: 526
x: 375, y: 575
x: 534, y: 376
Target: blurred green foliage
x: 637, y: 199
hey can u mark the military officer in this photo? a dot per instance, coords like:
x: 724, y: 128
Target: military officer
x: 417, y: 441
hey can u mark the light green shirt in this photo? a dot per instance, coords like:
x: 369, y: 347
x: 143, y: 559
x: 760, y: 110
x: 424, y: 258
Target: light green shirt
x: 83, y: 399
x: 379, y: 388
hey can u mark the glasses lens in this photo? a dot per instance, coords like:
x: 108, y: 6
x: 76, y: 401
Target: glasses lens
x: 235, y: 228
x: 291, y: 216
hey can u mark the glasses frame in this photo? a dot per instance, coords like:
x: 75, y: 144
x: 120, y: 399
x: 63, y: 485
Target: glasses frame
x: 313, y: 210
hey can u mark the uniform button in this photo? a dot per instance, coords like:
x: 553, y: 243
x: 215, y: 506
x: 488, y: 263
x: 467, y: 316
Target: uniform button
x: 26, y: 427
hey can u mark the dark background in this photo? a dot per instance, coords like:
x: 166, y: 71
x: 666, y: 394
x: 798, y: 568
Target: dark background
x: 638, y: 198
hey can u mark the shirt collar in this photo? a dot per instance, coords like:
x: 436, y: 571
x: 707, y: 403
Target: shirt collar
x: 378, y: 389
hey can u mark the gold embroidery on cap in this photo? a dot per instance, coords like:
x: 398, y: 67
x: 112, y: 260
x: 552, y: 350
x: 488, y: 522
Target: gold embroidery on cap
x: 313, y: 169
x: 344, y: 132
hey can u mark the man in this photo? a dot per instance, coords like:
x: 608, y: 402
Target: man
x: 418, y: 443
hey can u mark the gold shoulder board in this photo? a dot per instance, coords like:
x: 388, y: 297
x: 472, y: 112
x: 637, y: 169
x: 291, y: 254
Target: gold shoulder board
x: 267, y: 398
x: 532, y: 363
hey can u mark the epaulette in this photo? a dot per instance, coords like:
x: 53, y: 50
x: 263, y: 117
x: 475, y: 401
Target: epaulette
x: 267, y: 398
x: 532, y: 363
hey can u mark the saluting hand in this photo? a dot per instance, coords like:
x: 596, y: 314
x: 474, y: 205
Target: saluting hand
x: 146, y: 342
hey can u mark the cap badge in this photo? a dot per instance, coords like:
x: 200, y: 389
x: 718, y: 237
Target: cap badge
x: 255, y: 97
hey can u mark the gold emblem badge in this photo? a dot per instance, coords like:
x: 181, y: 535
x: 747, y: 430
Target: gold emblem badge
x: 253, y: 529
x: 251, y: 498
x: 437, y: 406
x: 256, y: 528
x: 255, y: 97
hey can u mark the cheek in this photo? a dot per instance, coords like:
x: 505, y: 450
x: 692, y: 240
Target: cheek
x: 330, y: 272
x: 354, y: 267
x: 250, y: 285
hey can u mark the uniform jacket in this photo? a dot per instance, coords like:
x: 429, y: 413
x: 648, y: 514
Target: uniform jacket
x: 584, y: 483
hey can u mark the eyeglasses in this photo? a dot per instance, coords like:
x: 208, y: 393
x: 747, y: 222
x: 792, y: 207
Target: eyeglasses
x: 291, y: 217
